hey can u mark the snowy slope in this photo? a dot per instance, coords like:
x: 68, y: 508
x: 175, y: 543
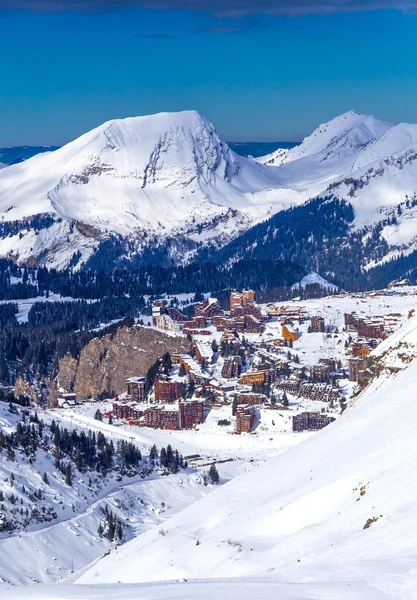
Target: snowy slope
x: 314, y: 278
x: 301, y: 517
x: 60, y: 531
x: 340, y: 138
x: 199, y: 590
x: 356, y: 157
x: 165, y: 174
x: 170, y: 177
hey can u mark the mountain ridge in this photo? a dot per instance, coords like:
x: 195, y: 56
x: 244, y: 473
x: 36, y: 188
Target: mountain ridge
x: 168, y: 184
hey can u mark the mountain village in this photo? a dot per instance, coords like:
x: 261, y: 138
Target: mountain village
x: 278, y: 363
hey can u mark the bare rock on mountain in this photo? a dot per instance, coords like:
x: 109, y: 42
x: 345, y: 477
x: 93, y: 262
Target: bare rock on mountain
x: 106, y: 362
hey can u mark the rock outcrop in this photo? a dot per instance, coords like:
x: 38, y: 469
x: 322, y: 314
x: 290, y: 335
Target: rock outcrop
x: 106, y: 362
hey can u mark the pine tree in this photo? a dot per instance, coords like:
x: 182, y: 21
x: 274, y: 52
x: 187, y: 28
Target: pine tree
x: 112, y: 527
x: 119, y: 531
x: 182, y: 372
x: 100, y: 530
x: 79, y: 461
x: 163, y: 457
x: 45, y: 478
x: 68, y: 475
x: 98, y: 416
x: 213, y: 474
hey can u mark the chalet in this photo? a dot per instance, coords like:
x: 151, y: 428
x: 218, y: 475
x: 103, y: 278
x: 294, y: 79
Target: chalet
x: 289, y: 333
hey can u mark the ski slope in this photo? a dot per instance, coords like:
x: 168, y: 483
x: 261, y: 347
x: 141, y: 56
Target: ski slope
x: 302, y: 517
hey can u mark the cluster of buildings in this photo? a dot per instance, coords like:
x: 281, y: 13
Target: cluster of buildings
x: 319, y: 392
x: 185, y: 414
x: 244, y: 316
x: 371, y: 331
x: 377, y: 327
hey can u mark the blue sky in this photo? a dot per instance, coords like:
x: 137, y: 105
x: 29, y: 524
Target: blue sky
x: 255, y: 76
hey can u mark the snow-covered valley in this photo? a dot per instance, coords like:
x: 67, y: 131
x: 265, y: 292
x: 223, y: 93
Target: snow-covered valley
x: 311, y: 515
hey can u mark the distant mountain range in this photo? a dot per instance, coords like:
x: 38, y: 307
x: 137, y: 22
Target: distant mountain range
x: 165, y: 188
x: 17, y: 154
x: 257, y: 149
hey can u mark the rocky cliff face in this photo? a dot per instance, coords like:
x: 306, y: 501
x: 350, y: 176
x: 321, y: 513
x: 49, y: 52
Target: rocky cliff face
x: 105, y: 363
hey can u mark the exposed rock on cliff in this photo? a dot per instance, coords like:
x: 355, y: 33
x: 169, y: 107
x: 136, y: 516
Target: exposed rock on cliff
x: 106, y: 362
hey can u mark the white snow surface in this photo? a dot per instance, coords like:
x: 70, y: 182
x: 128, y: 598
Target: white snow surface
x: 300, y: 517
x: 314, y: 278
x: 155, y: 172
x: 199, y: 590
x: 170, y: 175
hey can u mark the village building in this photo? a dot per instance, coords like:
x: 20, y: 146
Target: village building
x: 245, y: 418
x: 239, y: 299
x: 166, y: 323
x: 317, y: 324
x: 232, y: 367
x: 321, y: 372
x: 289, y: 333
x: 310, y: 421
x: 191, y: 413
x: 261, y: 377
x: 361, y: 349
x: 204, y: 352
x: 67, y: 400
x: 168, y: 390
x: 136, y: 388
x: 127, y: 410
x: 158, y: 417
x: 250, y: 398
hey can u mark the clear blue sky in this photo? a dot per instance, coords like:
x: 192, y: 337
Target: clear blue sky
x: 256, y: 77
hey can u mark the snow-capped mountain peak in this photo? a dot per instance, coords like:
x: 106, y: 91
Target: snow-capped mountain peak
x: 170, y: 177
x: 338, y: 139
x: 167, y: 174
